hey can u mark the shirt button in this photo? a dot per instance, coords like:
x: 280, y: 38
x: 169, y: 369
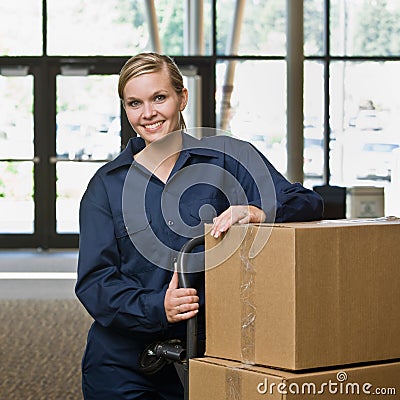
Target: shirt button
x: 170, y: 223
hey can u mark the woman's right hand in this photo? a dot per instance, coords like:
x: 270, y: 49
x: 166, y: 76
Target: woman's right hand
x: 241, y: 214
x: 180, y: 303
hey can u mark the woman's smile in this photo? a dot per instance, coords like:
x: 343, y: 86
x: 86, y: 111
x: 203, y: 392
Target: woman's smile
x: 154, y: 126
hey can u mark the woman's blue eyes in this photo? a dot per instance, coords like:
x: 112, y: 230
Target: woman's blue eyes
x: 159, y: 98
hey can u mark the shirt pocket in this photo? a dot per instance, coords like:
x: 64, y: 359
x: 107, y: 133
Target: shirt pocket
x: 204, y: 210
x: 136, y: 245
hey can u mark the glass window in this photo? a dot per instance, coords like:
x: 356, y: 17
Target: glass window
x: 118, y: 27
x: 365, y: 111
x: 365, y: 28
x: 313, y: 145
x: 262, y: 27
x: 16, y: 117
x: 96, y: 28
x: 16, y: 197
x: 70, y: 191
x: 88, y: 117
x: 88, y: 128
x: 21, y: 28
x: 256, y: 109
x: 16, y: 142
x: 192, y: 112
x: 313, y: 27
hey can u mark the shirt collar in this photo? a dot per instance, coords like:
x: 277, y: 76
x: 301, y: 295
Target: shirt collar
x: 194, y: 146
x: 125, y: 158
x: 190, y: 146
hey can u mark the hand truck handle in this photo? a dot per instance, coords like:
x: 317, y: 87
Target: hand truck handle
x: 184, y: 282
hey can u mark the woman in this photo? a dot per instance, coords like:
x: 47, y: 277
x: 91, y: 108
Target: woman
x: 138, y: 211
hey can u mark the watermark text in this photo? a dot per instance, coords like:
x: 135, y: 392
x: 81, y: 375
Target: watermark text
x: 339, y: 386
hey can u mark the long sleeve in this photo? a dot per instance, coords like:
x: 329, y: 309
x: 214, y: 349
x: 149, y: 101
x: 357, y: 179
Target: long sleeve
x: 110, y: 296
x: 293, y: 202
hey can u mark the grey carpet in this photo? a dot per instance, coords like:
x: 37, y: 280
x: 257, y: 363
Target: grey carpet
x: 41, y: 346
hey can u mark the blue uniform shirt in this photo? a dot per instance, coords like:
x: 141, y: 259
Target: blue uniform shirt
x: 129, y: 239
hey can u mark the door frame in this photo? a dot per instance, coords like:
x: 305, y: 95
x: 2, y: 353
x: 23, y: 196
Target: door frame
x: 45, y: 71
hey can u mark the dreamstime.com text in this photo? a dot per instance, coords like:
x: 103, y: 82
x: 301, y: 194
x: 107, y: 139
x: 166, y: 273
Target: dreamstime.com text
x: 339, y: 386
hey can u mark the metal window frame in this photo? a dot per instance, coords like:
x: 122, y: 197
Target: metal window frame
x: 45, y: 68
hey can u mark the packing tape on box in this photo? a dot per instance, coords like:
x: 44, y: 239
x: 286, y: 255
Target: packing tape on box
x: 233, y: 384
x: 247, y: 299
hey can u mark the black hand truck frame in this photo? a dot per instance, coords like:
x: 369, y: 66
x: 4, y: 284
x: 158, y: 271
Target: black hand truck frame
x: 158, y: 354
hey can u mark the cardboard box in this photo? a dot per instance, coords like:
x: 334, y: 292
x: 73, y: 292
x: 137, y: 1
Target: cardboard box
x: 365, y: 202
x: 304, y: 295
x: 216, y: 379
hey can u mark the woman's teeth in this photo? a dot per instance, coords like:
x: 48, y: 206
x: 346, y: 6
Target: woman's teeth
x: 153, y: 126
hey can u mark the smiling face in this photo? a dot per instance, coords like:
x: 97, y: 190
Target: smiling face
x: 152, y: 105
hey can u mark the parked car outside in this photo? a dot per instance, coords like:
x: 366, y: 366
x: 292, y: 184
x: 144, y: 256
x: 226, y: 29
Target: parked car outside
x: 369, y: 156
x: 368, y: 120
x: 376, y: 160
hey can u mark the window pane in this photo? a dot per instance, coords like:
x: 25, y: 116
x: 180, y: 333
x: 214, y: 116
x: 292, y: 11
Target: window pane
x: 88, y: 117
x: 257, y: 106
x: 96, y: 28
x: 313, y: 151
x: 70, y: 191
x: 16, y: 197
x: 21, y: 27
x: 16, y: 117
x: 88, y: 127
x: 118, y: 27
x: 16, y: 142
x: 365, y: 28
x: 192, y: 112
x: 313, y: 27
x: 262, y: 29
x: 365, y: 109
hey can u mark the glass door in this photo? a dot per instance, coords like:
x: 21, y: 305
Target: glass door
x: 17, y: 159
x: 59, y: 125
x: 88, y: 134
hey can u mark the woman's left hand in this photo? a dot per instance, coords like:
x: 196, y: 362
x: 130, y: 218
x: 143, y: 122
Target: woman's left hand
x: 236, y: 214
x: 180, y: 303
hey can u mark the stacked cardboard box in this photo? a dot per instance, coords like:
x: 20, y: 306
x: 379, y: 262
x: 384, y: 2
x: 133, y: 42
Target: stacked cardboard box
x: 219, y: 379
x: 302, y: 296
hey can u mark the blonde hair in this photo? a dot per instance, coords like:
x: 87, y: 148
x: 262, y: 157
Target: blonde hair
x: 147, y: 63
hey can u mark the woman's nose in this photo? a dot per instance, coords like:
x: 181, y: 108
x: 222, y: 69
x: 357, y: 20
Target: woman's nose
x: 148, y: 110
